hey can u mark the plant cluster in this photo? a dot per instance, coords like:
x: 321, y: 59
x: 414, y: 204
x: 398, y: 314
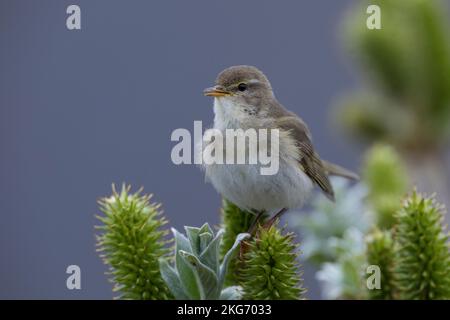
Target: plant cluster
x: 408, y: 242
x: 203, y: 265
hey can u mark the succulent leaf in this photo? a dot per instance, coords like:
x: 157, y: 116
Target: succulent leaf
x: 231, y: 293
x: 231, y: 254
x: 186, y: 274
x: 197, y: 273
x: 206, y: 278
x: 170, y: 276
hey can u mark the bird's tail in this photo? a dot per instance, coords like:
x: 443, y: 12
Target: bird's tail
x: 335, y: 170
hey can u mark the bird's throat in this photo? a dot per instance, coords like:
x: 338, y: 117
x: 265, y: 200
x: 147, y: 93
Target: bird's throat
x: 230, y: 115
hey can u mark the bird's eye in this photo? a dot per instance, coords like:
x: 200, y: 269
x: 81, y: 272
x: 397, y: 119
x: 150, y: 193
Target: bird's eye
x: 242, y: 86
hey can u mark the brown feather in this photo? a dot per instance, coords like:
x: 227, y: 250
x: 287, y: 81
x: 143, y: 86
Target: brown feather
x: 336, y: 170
x: 309, y: 160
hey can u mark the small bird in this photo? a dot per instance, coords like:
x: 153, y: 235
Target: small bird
x: 244, y: 99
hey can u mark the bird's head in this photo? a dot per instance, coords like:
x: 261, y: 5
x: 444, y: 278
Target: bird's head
x: 242, y: 87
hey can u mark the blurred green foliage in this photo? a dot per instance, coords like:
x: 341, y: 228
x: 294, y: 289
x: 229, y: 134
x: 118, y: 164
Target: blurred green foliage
x: 327, y: 221
x: 343, y: 277
x: 406, y: 99
x: 406, y: 239
x: 386, y: 178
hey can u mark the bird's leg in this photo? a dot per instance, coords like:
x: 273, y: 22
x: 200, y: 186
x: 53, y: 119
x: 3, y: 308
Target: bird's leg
x: 244, y: 246
x: 272, y: 220
x: 254, y: 224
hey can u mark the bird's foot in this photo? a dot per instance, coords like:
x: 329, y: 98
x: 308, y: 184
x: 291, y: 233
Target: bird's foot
x: 255, y: 222
x: 276, y: 217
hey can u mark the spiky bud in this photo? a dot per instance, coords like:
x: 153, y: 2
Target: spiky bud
x: 423, y: 257
x: 131, y: 242
x: 380, y: 252
x: 270, y: 270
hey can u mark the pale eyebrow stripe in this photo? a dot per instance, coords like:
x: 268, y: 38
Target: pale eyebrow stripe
x: 251, y: 81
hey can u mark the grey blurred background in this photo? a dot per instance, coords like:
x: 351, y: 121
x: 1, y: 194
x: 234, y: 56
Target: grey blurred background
x: 80, y: 110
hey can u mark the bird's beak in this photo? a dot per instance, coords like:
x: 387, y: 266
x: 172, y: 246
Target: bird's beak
x: 216, y: 91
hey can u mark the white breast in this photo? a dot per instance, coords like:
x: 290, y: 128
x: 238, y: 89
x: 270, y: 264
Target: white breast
x: 243, y: 184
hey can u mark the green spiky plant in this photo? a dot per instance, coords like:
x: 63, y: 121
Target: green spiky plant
x: 413, y: 256
x: 270, y: 270
x: 131, y: 241
x: 423, y: 257
x: 380, y: 252
x: 234, y: 222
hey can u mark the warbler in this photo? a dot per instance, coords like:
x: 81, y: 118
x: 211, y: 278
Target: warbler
x: 244, y: 99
